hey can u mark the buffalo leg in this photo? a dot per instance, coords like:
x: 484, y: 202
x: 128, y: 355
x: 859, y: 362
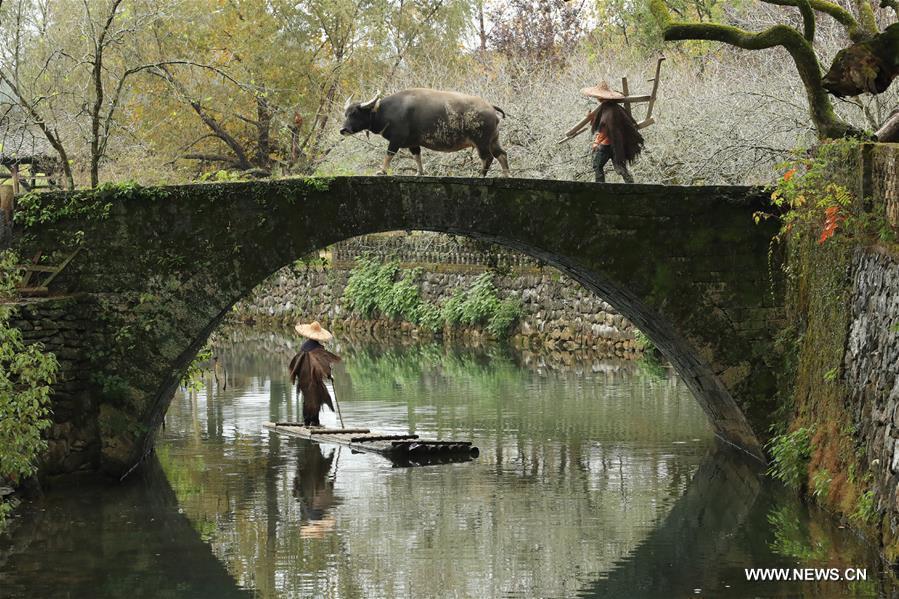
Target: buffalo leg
x: 416, y: 153
x: 391, y: 152
x: 500, y: 154
x: 486, y: 161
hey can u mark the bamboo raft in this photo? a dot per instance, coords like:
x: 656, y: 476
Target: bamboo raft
x: 402, y: 450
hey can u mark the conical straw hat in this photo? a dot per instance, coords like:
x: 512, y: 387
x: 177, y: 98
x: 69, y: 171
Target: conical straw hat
x: 602, y: 91
x: 314, y: 331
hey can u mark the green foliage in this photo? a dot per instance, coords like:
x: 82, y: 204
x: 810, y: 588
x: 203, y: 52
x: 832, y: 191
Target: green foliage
x: 196, y: 371
x: 429, y: 317
x: 39, y: 208
x: 26, y: 374
x: 311, y: 259
x: 481, y: 301
x: 790, y: 453
x: 506, y: 315
x: 791, y: 539
x: 222, y: 176
x: 404, y: 299
x: 319, y: 182
x: 452, y: 308
x: 372, y: 290
x: 866, y: 508
x: 831, y: 375
x: 88, y: 205
x: 650, y: 364
x: 821, y: 483
x: 815, y: 200
x: 644, y: 343
x: 480, y: 305
x: 369, y: 289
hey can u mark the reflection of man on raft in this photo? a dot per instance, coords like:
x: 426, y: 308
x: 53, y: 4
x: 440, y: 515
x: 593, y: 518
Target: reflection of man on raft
x: 314, y: 489
x: 616, y: 136
x: 309, y: 369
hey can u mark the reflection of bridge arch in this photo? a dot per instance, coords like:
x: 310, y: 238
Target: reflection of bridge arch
x: 680, y: 553
x: 687, y: 265
x: 133, y: 541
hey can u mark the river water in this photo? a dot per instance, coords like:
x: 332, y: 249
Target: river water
x: 595, y: 479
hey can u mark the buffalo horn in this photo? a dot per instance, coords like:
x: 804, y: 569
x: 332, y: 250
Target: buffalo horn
x: 346, y: 105
x: 371, y: 102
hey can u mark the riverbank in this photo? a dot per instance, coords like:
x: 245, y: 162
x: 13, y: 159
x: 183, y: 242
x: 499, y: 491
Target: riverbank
x: 556, y: 313
x: 839, y: 441
x: 281, y: 339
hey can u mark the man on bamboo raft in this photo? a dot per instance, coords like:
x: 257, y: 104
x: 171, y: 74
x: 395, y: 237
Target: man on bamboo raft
x: 616, y: 135
x: 309, y: 369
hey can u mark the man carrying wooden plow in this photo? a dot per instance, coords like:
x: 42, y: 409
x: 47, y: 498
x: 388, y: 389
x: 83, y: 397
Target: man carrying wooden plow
x: 616, y: 134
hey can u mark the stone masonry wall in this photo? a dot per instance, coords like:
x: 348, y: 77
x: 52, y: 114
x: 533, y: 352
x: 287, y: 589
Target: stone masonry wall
x: 429, y: 248
x: 885, y: 175
x: 64, y: 326
x: 871, y: 371
x: 558, y: 313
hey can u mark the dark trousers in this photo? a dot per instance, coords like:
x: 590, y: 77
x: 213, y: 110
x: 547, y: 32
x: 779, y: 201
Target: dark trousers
x: 600, y: 157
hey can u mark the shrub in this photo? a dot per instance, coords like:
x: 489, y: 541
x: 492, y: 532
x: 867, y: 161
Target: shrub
x: 452, y: 308
x: 507, y: 314
x: 790, y: 454
x: 430, y: 317
x: 866, y: 509
x: 26, y: 373
x: 368, y: 285
x: 372, y: 290
x: 481, y: 301
x: 402, y: 299
x: 480, y: 305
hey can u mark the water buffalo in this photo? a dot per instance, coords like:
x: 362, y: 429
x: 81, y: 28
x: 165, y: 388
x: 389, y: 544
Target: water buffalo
x: 425, y: 118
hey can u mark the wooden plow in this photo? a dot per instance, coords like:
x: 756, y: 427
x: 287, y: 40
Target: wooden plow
x: 628, y: 102
x: 27, y: 289
x: 401, y: 449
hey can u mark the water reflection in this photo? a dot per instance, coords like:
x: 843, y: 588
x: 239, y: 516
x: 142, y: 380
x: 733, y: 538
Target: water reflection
x: 102, y: 540
x: 595, y: 479
x: 573, y: 472
x: 313, y: 487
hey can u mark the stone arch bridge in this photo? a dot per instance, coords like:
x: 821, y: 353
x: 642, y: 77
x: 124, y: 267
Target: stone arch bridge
x: 159, y: 268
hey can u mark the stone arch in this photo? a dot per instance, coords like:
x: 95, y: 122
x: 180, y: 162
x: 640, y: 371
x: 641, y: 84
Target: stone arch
x: 687, y: 265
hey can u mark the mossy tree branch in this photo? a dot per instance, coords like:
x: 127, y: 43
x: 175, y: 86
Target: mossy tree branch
x: 799, y: 47
x: 866, y: 19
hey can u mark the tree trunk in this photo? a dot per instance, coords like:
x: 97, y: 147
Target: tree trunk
x: 867, y: 67
x: 889, y: 131
x: 97, y: 77
x: 263, y: 137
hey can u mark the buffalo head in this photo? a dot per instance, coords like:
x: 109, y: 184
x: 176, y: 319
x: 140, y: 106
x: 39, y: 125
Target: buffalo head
x: 358, y: 115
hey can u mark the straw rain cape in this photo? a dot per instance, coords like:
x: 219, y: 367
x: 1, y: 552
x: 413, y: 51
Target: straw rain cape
x: 308, y: 371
